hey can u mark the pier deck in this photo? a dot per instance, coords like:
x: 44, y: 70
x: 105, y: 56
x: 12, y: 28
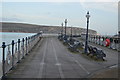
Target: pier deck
x: 51, y: 59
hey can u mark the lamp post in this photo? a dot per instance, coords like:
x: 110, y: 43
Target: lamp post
x: 86, y: 42
x: 119, y: 40
x: 65, y: 26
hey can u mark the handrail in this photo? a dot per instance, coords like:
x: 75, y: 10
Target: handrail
x: 100, y: 40
x: 14, y: 52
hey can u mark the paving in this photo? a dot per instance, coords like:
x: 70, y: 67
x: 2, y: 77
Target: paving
x: 51, y: 59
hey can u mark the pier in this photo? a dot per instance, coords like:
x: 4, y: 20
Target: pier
x: 45, y: 56
x: 59, y: 39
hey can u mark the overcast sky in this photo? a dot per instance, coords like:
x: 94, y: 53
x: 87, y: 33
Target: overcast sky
x: 104, y: 15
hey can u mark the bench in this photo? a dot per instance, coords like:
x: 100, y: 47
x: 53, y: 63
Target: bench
x: 94, y: 51
x: 75, y: 45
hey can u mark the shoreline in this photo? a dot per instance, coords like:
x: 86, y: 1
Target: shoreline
x: 15, y: 32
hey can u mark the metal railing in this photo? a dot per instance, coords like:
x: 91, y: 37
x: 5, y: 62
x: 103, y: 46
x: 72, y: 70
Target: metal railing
x: 13, y: 53
x: 100, y: 40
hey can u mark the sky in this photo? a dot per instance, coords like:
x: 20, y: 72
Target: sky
x: 103, y: 13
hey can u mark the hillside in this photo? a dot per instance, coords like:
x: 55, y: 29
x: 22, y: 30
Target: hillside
x: 30, y: 28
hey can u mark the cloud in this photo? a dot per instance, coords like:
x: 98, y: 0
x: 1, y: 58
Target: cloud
x: 10, y: 19
x: 38, y: 19
x: 105, y: 6
x: 33, y: 17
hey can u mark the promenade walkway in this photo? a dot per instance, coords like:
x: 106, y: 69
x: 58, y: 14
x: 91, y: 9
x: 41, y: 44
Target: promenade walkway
x: 51, y: 59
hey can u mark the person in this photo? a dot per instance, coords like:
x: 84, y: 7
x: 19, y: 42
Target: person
x: 107, y: 42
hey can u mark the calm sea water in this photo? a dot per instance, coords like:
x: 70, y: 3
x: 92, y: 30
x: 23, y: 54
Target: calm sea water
x: 7, y: 37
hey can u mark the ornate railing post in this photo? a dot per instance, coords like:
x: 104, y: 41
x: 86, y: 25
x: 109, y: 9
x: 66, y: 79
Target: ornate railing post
x: 23, y: 48
x: 12, y: 54
x: 3, y: 60
x: 18, y: 50
x: 99, y: 39
x: 94, y: 39
x: 111, y: 42
x: 103, y: 41
x: 26, y: 45
x: 91, y: 38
